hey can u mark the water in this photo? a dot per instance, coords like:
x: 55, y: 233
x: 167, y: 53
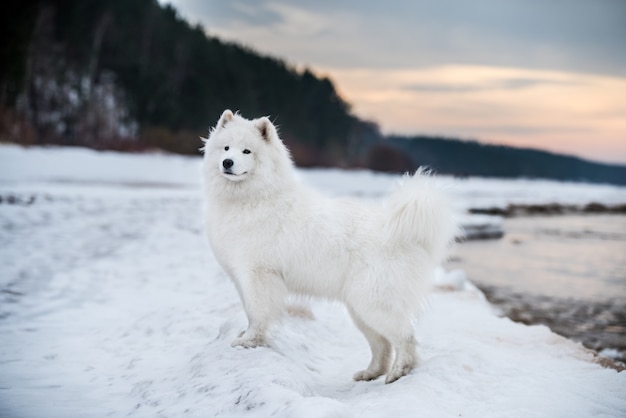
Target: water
x: 579, y: 256
x: 567, y: 272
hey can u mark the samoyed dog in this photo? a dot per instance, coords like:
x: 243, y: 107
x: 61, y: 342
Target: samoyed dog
x: 275, y: 236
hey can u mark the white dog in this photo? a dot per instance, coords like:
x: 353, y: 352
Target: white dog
x: 273, y: 235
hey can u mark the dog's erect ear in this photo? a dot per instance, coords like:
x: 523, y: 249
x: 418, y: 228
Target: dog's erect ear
x: 266, y: 128
x: 226, y: 117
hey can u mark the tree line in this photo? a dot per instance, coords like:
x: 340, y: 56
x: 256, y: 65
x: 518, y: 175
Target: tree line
x: 103, y: 72
x: 464, y: 158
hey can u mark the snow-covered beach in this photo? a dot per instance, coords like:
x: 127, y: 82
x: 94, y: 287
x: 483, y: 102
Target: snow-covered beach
x: 111, y: 304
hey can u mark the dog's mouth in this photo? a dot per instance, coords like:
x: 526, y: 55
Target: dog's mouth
x: 230, y: 173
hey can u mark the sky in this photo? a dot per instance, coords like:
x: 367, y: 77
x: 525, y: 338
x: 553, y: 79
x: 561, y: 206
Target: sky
x: 531, y: 73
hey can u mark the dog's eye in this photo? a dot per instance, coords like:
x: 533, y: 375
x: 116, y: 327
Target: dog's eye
x: 246, y: 151
x: 226, y: 148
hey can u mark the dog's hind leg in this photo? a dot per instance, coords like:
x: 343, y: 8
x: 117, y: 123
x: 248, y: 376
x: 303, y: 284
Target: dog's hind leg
x: 381, y: 351
x: 263, y: 297
x: 395, y: 327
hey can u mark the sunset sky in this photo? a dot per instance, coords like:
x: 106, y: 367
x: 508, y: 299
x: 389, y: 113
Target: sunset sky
x: 535, y: 73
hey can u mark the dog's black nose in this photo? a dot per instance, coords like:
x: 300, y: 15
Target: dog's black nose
x: 227, y: 163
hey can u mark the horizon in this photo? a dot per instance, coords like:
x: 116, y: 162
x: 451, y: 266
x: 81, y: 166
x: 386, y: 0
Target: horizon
x: 520, y: 74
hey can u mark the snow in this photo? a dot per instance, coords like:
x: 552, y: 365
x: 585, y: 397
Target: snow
x: 475, y: 192
x: 111, y: 304
x: 81, y: 165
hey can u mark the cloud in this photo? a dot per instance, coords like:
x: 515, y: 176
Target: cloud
x: 504, y: 84
x: 586, y: 37
x: 566, y: 112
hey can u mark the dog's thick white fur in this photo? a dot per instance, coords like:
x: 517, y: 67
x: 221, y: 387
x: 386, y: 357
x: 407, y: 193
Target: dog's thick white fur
x: 273, y: 235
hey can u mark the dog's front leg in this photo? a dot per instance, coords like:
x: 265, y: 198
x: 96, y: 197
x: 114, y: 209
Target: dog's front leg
x: 263, y: 296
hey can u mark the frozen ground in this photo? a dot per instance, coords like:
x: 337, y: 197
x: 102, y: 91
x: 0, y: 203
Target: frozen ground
x: 111, y: 304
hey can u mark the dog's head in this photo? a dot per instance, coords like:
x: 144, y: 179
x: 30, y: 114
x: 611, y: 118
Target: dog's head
x: 236, y: 146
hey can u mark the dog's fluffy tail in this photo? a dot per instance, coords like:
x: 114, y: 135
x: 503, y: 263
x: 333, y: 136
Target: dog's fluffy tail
x: 420, y: 213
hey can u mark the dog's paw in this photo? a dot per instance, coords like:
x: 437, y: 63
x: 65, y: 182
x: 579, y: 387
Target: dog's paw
x: 397, y: 372
x: 367, y: 375
x: 248, y: 342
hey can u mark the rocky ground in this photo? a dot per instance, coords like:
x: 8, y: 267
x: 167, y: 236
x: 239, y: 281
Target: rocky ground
x: 512, y: 210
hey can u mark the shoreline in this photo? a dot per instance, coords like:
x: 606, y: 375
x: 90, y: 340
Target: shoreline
x: 597, y: 325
